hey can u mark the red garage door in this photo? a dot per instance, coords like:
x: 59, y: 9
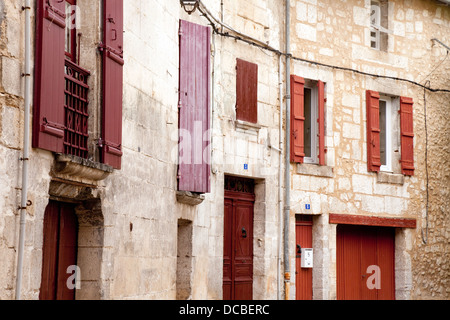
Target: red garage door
x: 365, y: 263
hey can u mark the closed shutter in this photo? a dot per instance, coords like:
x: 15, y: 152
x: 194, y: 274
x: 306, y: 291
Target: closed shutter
x: 407, y: 135
x: 297, y: 119
x: 113, y: 62
x: 246, y: 91
x: 321, y: 120
x: 194, y: 169
x: 48, y: 117
x: 373, y: 131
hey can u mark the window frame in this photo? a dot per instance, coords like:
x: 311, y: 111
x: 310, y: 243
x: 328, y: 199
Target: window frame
x: 388, y: 133
x: 72, y: 32
x: 377, y: 38
x: 314, y: 112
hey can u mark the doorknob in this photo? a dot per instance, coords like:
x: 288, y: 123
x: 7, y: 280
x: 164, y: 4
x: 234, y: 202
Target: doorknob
x: 244, y: 233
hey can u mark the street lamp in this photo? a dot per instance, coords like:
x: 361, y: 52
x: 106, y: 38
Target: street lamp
x: 189, y: 5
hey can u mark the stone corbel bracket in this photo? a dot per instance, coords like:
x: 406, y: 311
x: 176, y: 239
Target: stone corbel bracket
x: 190, y: 198
x: 81, y: 170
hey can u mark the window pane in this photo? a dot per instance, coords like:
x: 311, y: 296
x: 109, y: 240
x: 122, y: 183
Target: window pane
x: 383, y: 135
x: 308, y: 123
x: 68, y: 39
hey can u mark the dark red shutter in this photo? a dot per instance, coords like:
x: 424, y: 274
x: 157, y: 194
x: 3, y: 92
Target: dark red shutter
x: 373, y: 131
x: 113, y: 62
x: 297, y: 119
x: 48, y: 117
x: 194, y: 169
x: 246, y: 91
x: 407, y: 135
x: 321, y: 120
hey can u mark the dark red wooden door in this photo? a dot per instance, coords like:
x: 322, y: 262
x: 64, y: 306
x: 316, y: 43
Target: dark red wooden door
x: 238, y: 246
x: 303, y: 277
x: 363, y: 253
x: 59, y: 251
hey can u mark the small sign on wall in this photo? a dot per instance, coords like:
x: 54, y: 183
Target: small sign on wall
x: 307, y: 258
x: 307, y: 206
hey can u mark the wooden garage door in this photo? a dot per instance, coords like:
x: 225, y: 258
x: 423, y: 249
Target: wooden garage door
x: 59, y: 251
x: 363, y: 253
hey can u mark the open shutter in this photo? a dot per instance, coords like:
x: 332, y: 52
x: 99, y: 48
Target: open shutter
x: 407, y: 135
x: 48, y: 117
x: 246, y: 91
x: 297, y: 119
x: 373, y: 131
x: 321, y: 120
x: 112, y: 48
x: 194, y: 169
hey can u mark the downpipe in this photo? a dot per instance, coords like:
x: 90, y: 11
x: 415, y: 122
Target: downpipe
x: 287, y: 208
x: 26, y: 150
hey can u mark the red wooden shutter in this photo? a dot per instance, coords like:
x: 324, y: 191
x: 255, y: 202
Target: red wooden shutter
x: 113, y: 62
x: 407, y: 135
x: 321, y: 121
x: 48, y: 118
x: 373, y: 131
x: 194, y: 169
x: 246, y: 91
x: 297, y: 119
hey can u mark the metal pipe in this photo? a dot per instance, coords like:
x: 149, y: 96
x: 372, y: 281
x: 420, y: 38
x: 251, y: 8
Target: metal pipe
x: 280, y: 179
x: 287, y: 208
x: 26, y: 150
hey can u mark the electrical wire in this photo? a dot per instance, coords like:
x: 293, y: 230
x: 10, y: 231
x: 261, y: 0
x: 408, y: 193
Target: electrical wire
x: 425, y: 237
x: 257, y: 43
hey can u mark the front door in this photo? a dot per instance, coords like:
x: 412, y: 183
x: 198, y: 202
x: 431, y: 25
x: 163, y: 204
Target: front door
x: 238, y: 241
x: 59, y: 251
x: 303, y: 277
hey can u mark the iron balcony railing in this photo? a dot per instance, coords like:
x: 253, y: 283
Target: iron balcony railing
x: 76, y: 110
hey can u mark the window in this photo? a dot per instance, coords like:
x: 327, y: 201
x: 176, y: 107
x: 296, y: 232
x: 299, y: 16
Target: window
x: 307, y: 121
x: 311, y: 125
x: 389, y: 143
x: 246, y: 91
x: 70, y: 42
x: 386, y: 134
x: 379, y: 25
x: 60, y: 119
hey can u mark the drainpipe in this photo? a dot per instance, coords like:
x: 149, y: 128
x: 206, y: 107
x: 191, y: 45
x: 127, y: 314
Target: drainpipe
x: 280, y: 177
x: 287, y: 208
x: 26, y: 150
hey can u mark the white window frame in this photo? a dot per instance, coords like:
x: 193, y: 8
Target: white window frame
x: 375, y: 21
x: 388, y: 142
x: 314, y: 159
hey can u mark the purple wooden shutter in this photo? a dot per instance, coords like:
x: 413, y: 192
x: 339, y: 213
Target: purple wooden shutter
x: 194, y: 169
x: 246, y: 91
x: 48, y: 117
x: 113, y: 62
